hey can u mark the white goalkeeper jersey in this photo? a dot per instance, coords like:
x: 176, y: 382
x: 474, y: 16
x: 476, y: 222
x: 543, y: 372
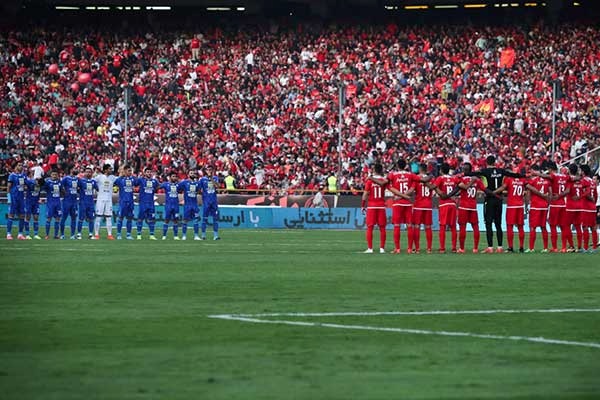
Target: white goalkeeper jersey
x: 105, y: 186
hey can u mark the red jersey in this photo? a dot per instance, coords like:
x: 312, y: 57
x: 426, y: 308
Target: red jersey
x: 376, y: 197
x: 559, y: 183
x: 468, y: 197
x: 516, y: 192
x: 543, y: 186
x: 423, y: 196
x: 576, y: 190
x: 446, y: 184
x: 402, y: 181
x: 195, y: 43
x: 589, y: 188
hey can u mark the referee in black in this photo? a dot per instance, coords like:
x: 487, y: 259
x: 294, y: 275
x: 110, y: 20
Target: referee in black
x: 492, y: 210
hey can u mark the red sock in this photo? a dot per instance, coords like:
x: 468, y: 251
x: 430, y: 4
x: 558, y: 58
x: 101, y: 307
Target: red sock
x: 370, y: 237
x: 396, y: 236
x: 594, y: 238
x: 579, y: 234
x: 442, y: 238
x: 416, y: 236
x: 462, y: 236
x: 545, y: 237
x: 510, y: 236
x: 532, y: 235
x: 475, y: 236
x: 453, y: 235
x: 553, y: 236
x: 382, y: 236
x: 429, y: 237
x: 569, y: 236
x: 521, y: 236
x: 586, y: 238
x: 409, y: 235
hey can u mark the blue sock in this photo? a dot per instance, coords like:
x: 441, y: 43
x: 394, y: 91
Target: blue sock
x: 139, y: 227
x: 151, y: 226
x: 175, y: 228
x: 9, y: 224
x: 72, y: 226
x: 196, y: 227
x: 79, y: 226
x: 165, y: 228
x: 129, y: 225
x: 216, y: 226
x: 203, y: 226
x: 184, y: 228
x: 56, y: 227
x: 63, y: 219
x: 91, y: 226
x: 27, y: 232
x: 48, y: 227
x: 119, y: 226
x: 36, y: 227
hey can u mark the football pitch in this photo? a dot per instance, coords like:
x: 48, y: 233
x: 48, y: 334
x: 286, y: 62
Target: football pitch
x: 293, y: 315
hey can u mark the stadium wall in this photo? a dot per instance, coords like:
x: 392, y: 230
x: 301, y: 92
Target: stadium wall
x: 274, y: 217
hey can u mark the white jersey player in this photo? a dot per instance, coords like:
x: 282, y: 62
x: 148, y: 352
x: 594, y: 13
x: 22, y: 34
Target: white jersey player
x: 104, y: 205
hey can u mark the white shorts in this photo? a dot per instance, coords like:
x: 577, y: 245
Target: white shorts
x: 104, y: 208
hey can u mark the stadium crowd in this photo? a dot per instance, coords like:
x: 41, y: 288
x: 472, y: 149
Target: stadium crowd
x: 261, y: 104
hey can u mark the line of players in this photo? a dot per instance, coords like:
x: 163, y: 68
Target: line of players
x: 90, y: 198
x: 564, y: 201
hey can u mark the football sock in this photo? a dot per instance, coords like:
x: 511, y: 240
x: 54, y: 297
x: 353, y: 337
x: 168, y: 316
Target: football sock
x: 9, y: 224
x: 453, y: 235
x: 196, y: 226
x: 382, y: 237
x: 586, y: 238
x: 63, y: 219
x: 462, y: 236
x: 129, y: 225
x: 545, y: 237
x: 48, y: 227
x: 476, y: 236
x: 579, y: 235
x: 184, y: 229
x: 27, y: 228
x: 139, y: 226
x: 553, y: 236
x: 151, y: 226
x: 369, y: 236
x: 442, y: 237
x: 90, y: 226
x: 165, y: 228
x: 73, y: 221
x: 36, y: 227
x: 521, y: 236
x: 532, y: 235
x: 216, y: 225
x: 119, y: 226
x: 79, y: 226
x: 429, y: 237
x: 510, y: 235
x: 97, y: 226
x: 205, y: 222
x: 409, y: 234
x: 21, y: 225
x: 594, y: 239
x: 175, y: 228
x: 416, y: 235
x: 396, y: 236
x: 109, y: 225
x: 56, y: 227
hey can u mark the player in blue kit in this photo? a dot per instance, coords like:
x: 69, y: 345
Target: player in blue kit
x: 148, y: 186
x: 125, y: 183
x: 16, y: 200
x: 70, y: 187
x: 190, y: 188
x: 171, y: 205
x: 210, y: 206
x: 52, y: 188
x: 32, y: 207
x: 87, y: 187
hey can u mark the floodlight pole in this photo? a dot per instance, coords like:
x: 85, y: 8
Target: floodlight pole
x: 553, y: 118
x: 127, y: 94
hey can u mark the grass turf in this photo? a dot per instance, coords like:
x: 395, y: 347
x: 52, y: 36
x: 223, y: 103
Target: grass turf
x: 129, y: 320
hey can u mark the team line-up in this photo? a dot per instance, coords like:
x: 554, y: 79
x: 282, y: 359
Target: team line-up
x: 73, y: 197
x: 564, y: 201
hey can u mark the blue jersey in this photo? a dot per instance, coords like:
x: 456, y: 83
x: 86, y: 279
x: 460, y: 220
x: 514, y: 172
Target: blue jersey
x: 70, y: 185
x: 52, y: 189
x: 190, y: 191
x: 18, y: 188
x: 171, y: 194
x: 33, y: 192
x: 125, y: 185
x: 209, y: 189
x: 147, y: 189
x: 86, y: 191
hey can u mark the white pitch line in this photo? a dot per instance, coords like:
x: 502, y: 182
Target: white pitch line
x: 435, y: 312
x: 410, y: 331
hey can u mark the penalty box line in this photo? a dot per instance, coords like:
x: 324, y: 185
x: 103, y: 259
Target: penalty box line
x: 256, y: 318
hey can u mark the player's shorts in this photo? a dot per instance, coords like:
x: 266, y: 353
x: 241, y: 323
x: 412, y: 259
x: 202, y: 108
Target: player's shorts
x: 376, y: 216
x: 447, y: 215
x: 191, y: 212
x: 17, y: 207
x: 146, y: 211
x: 104, y: 208
x: 32, y: 208
x: 572, y: 217
x: 556, y: 216
x: 423, y: 217
x: 467, y: 217
x: 86, y: 211
x: 171, y: 213
x: 126, y: 210
x: 210, y: 209
x: 69, y: 209
x: 588, y: 218
x: 53, y: 210
x: 515, y: 216
x: 537, y: 218
x: 401, y: 214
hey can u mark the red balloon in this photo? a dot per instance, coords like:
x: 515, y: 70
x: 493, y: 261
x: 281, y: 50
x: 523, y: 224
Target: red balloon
x: 53, y: 69
x: 75, y: 87
x: 84, y: 78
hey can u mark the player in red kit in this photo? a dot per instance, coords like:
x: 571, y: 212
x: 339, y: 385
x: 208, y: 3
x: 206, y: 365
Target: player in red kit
x: 422, y: 211
x: 572, y: 215
x: 515, y: 210
x: 588, y: 209
x: 373, y: 203
x: 558, y: 183
x: 445, y: 185
x: 540, y: 193
x: 469, y: 186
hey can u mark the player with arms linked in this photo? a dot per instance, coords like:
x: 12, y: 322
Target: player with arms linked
x: 171, y: 205
x: 373, y: 204
x: 52, y: 188
x: 16, y: 199
x: 146, y: 212
x: 190, y: 188
x: 125, y: 183
x: 87, y: 187
x: 69, y: 185
x: 210, y: 206
x: 32, y: 207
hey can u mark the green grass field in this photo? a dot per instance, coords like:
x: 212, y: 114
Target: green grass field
x: 130, y: 320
